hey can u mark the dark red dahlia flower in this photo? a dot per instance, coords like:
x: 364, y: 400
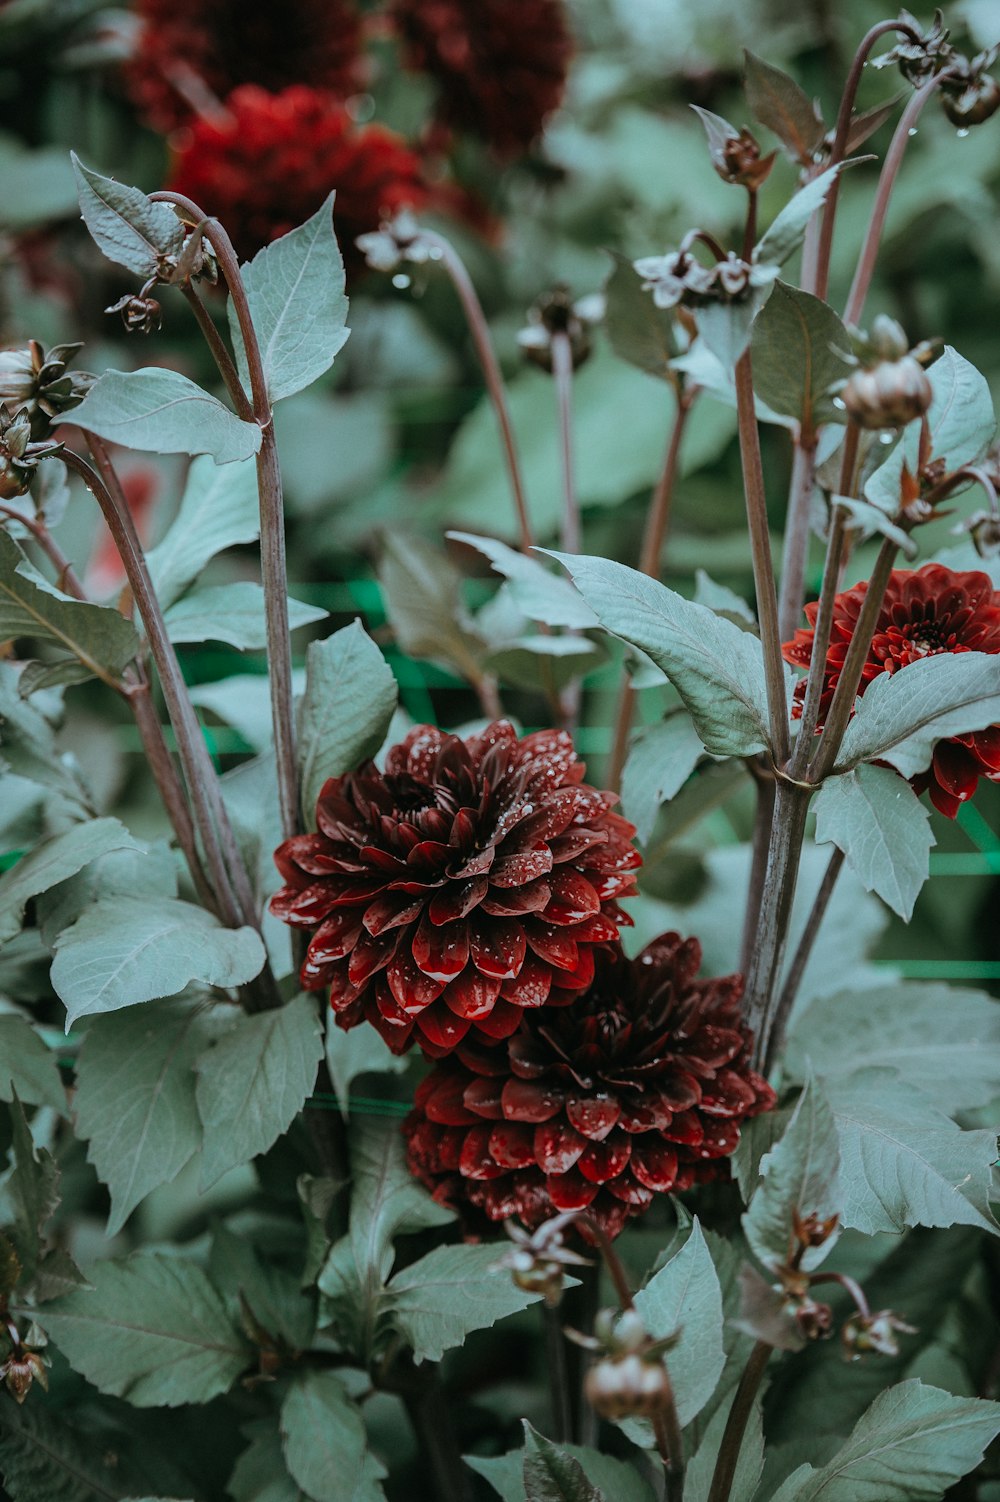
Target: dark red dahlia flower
x: 500, y: 65
x: 469, y: 881
x: 638, y: 1088
x: 930, y: 610
x: 270, y: 161
x: 182, y: 47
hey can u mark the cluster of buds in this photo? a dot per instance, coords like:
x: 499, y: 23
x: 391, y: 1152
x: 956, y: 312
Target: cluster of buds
x: 19, y: 457
x: 678, y: 278
x: 813, y: 1320
x: 969, y: 93
x: 537, y: 1261
x: 396, y: 241
x: 35, y: 382
x: 629, y: 1378
x: 555, y: 314
x: 889, y: 387
x: 736, y: 154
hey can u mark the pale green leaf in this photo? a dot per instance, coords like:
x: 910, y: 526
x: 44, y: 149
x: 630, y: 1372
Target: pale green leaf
x: 53, y: 861
x: 538, y: 594
x: 386, y: 1200
x: 130, y: 228
x: 639, y: 331
x: 787, y: 231
x: 799, y: 348
x: 27, y: 1066
x: 437, y: 1301
x: 800, y: 1176
x: 325, y: 1443
x: 553, y: 1475
x: 901, y: 716
x: 684, y: 1298
x: 660, y: 761
x: 357, y: 1051
x: 423, y: 600
x: 163, y: 411
x: 232, y: 613
x: 272, y: 1294
x: 218, y: 510
x: 350, y: 698
x: 877, y: 820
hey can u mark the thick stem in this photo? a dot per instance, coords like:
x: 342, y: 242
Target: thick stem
x: 657, y: 521
x: 555, y: 1351
x: 429, y: 1411
x: 562, y: 371
x: 791, y: 804
x: 476, y: 320
x: 887, y: 180
x: 66, y: 578
x: 736, y: 1423
x: 796, y: 970
x: 797, y: 532
x: 220, y: 353
x: 838, y: 150
x: 763, y: 819
x: 763, y: 568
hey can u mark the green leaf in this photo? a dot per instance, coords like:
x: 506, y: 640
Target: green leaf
x: 615, y: 1478
x: 32, y: 1192
x: 325, y: 1443
x: 877, y: 820
x: 163, y: 411
x: 423, y: 600
x: 698, y: 1477
x: 43, y: 1457
x: 254, y: 1081
x: 273, y: 1296
x: 722, y: 600
x: 350, y: 698
x: 726, y: 327
x: 53, y: 861
x: 801, y: 1176
x: 124, y: 950
x: 639, y: 331
x: 135, y: 1097
x: 153, y: 1330
x: 901, y: 716
x: 218, y: 510
x: 130, y: 228
x: 867, y: 519
x: 553, y: 1475
x: 360, y: 1050
x: 243, y: 700
x: 232, y: 613
x: 684, y: 1297
x: 138, y: 871
x: 913, y: 1443
x: 437, y: 1301
x: 787, y: 231
x: 799, y: 348
x: 716, y: 668
x: 295, y: 288
x: 386, y: 1200
x: 538, y: 594
x: 942, y: 1041
x: 660, y: 761
x: 260, y: 1474
x: 778, y: 102
x: 543, y: 662
x: 902, y: 1162
x: 27, y: 1066
x: 98, y: 636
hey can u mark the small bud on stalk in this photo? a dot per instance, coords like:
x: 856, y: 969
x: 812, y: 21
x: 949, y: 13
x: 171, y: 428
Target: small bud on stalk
x: 140, y: 314
x: 554, y: 314
x: 21, y: 1368
x: 537, y: 1261
x: 890, y: 387
x: 873, y: 1334
x: 36, y: 382
x: 970, y: 95
x: 19, y: 457
x: 629, y: 1380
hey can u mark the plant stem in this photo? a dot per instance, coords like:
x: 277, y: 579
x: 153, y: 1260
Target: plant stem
x: 763, y: 820
x: 763, y: 567
x: 272, y: 523
x: 476, y: 320
x: 839, y: 148
x: 206, y: 800
x: 791, y: 804
x: 887, y: 179
x: 793, y: 979
x: 428, y: 1410
x: 66, y: 578
x: 736, y: 1423
x: 797, y: 530
x: 562, y: 371
x: 657, y: 521
x: 555, y: 1350
x: 220, y: 353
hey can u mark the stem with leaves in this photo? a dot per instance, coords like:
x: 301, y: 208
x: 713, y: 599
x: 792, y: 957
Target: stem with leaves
x: 796, y: 970
x: 736, y: 1423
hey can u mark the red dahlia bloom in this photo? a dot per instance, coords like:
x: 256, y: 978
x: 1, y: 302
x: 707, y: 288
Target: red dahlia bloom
x: 638, y: 1088
x: 500, y: 65
x: 469, y: 881
x: 268, y: 163
x: 930, y: 610
x: 226, y: 43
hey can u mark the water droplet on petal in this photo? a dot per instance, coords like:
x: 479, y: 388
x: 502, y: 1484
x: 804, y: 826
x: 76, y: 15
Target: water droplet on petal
x: 401, y: 279
x: 963, y: 133
x: 839, y: 402
x: 885, y: 437
x: 912, y: 130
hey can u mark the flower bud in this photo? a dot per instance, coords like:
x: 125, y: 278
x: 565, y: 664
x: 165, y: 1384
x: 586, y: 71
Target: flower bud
x: 35, y: 381
x: 873, y: 1334
x: 537, y: 1261
x: 979, y: 101
x: 140, y: 315
x: 814, y: 1320
x: 19, y: 1370
x: 18, y: 375
x: 889, y: 395
x: 554, y: 314
x: 811, y: 1230
x: 620, y: 1387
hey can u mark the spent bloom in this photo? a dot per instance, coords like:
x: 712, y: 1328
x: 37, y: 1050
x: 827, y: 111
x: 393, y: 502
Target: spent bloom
x: 639, y: 1088
x: 269, y: 160
x: 468, y: 882
x: 926, y: 611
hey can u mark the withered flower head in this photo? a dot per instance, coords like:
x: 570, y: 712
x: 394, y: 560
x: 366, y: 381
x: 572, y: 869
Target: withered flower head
x: 537, y: 1261
x: 35, y: 381
x: 873, y: 1334
x: 556, y: 313
x: 921, y: 54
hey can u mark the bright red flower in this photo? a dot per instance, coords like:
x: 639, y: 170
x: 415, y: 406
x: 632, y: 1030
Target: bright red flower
x: 182, y: 46
x: 930, y: 610
x: 271, y: 159
x: 469, y: 881
x: 637, y: 1089
x: 500, y: 65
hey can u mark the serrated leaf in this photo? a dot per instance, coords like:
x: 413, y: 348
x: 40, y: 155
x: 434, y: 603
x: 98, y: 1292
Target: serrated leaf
x: 877, y: 820
x: 153, y: 1330
x: 868, y: 519
x: 386, y: 1200
x: 440, y: 1299
x: 786, y: 232
x: 138, y: 871
x: 130, y: 228
x: 721, y: 599
x: 799, y: 348
x: 869, y: 121
x: 902, y: 1162
x: 801, y: 1176
x: 660, y: 761
x: 901, y: 716
x: 777, y: 101
x: 716, y: 668
x: 124, y: 950
x: 423, y: 600
x: 260, y: 1474
x: 543, y: 663
x: 539, y: 595
x: 941, y: 1040
x: 639, y: 331
x: 162, y: 411
x: 357, y: 1051
x: 295, y: 288
x: 350, y: 698
x: 135, y: 1097
x: 684, y: 1298
x: 218, y: 510
x: 32, y: 1192
x: 254, y: 1081
x: 615, y: 1478
x: 325, y: 1443
x: 553, y: 1475
x: 273, y: 1296
x: 27, y: 1065
x: 99, y: 637
x: 41, y: 1456
x: 232, y: 613
x: 913, y: 1443
x: 54, y: 861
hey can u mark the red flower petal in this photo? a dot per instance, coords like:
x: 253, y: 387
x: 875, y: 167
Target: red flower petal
x: 557, y: 1146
